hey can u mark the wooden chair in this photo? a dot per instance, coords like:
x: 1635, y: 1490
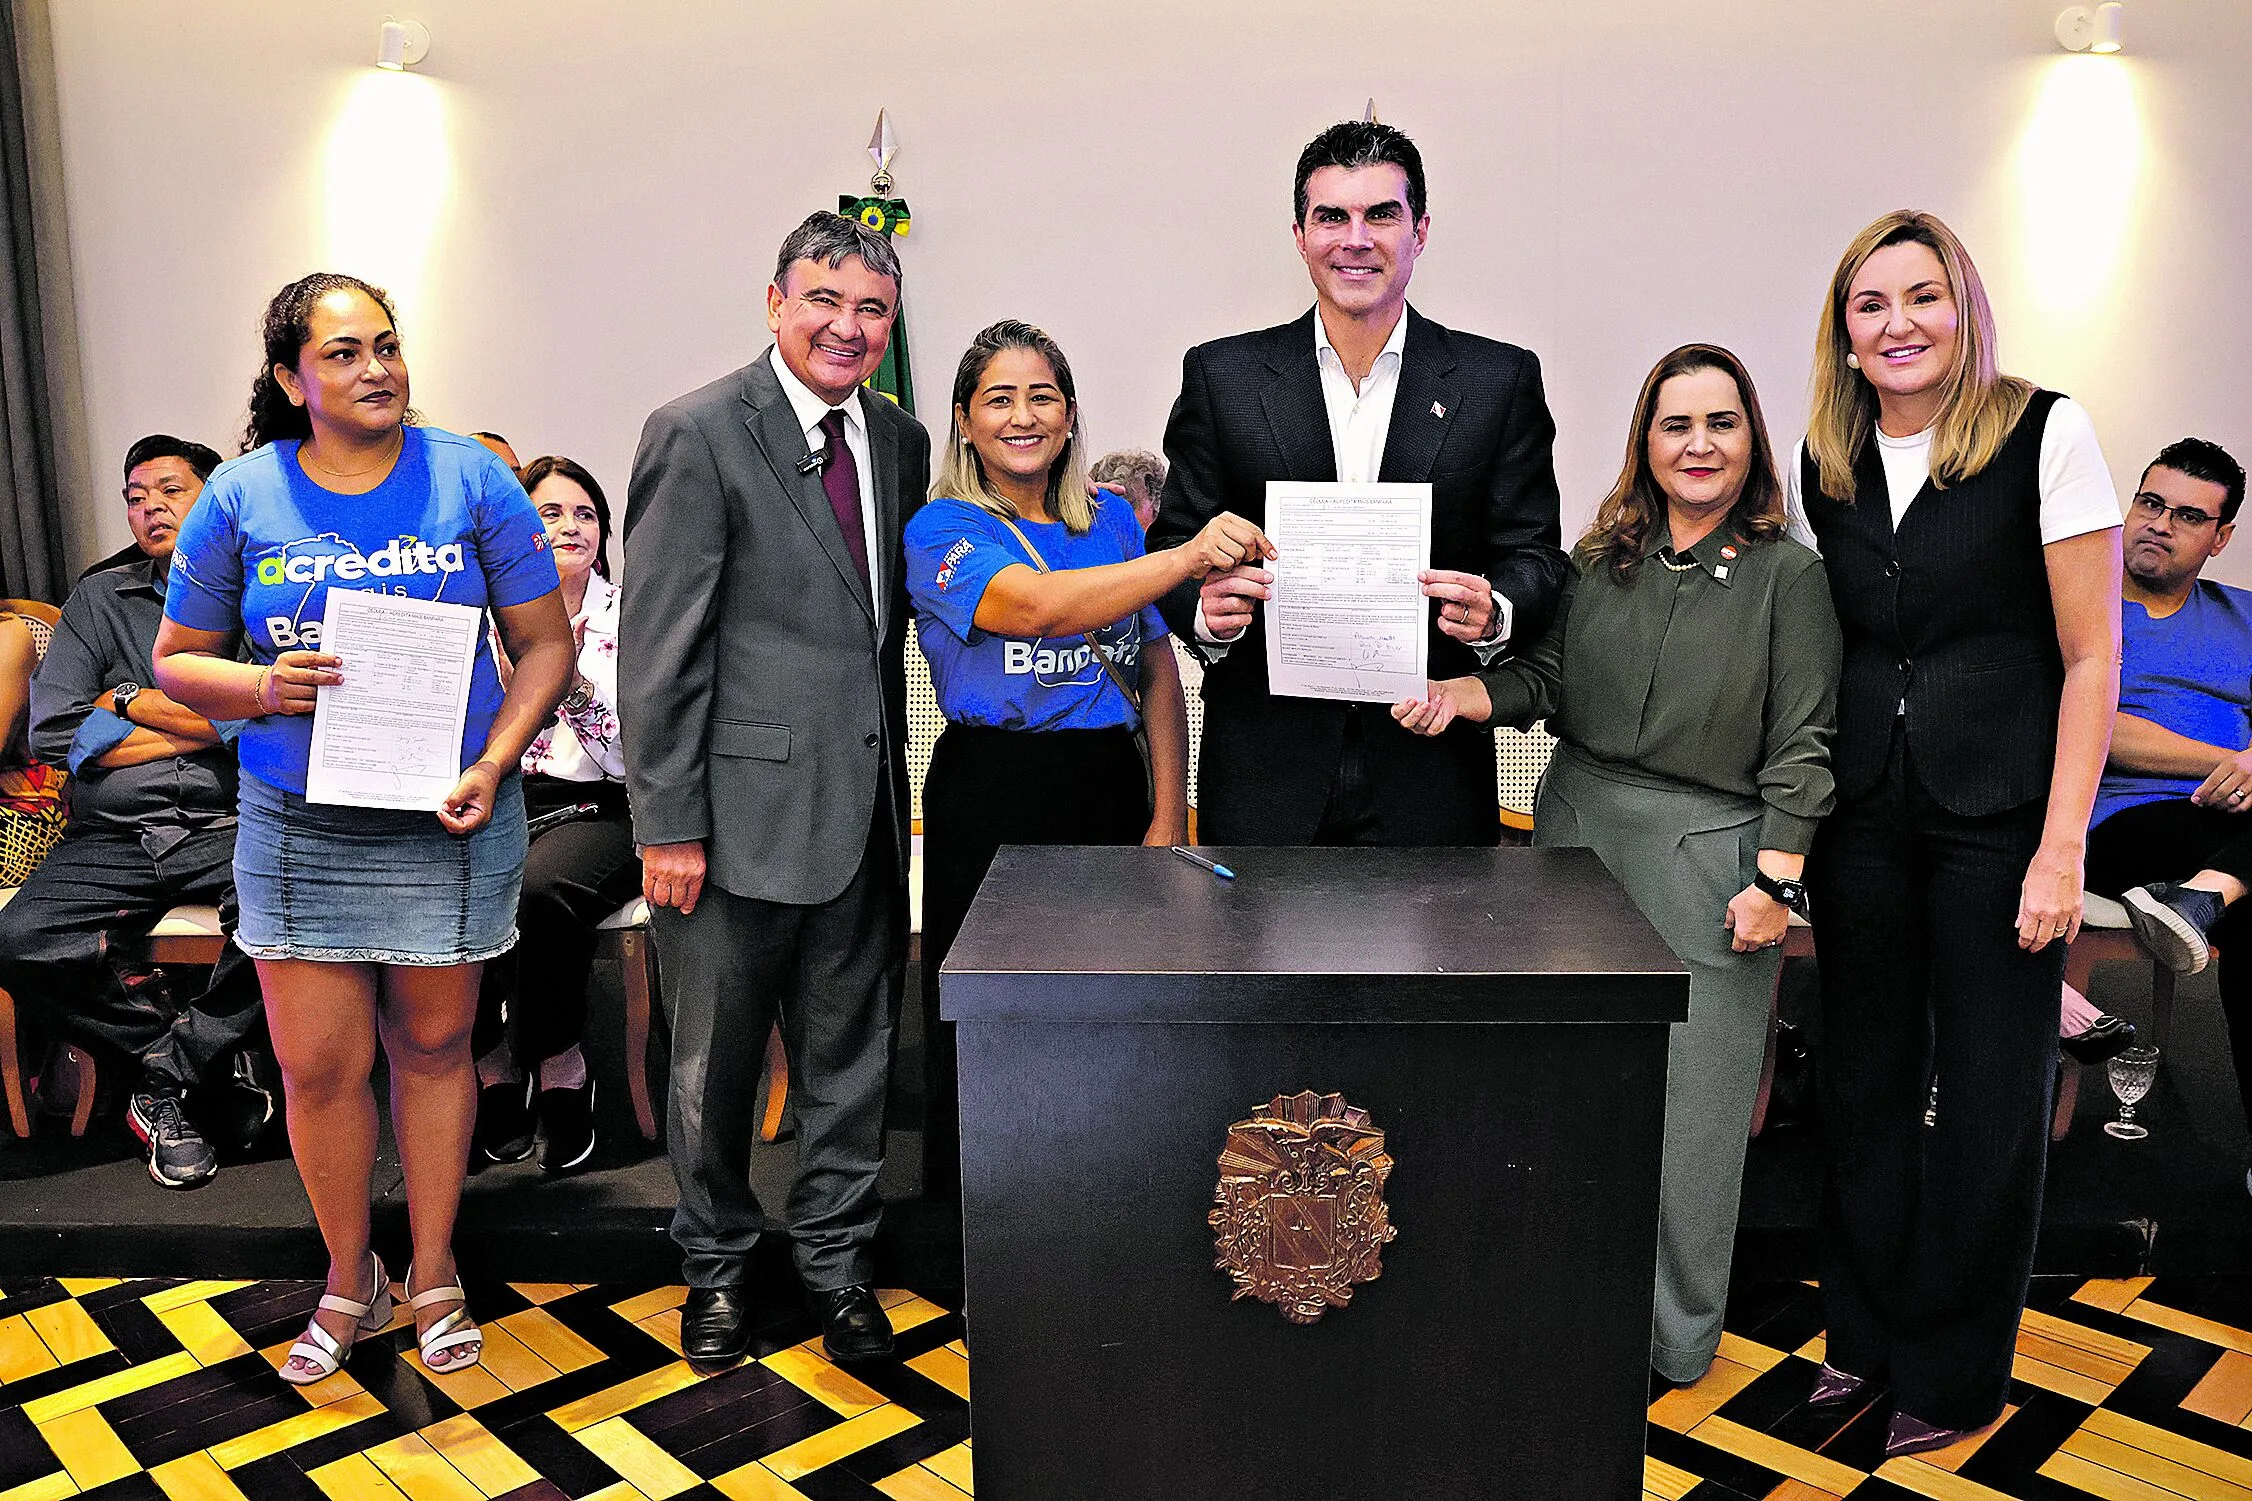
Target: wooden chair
x: 184, y: 935
x: 42, y: 618
x: 39, y: 615
x: 637, y: 958
x: 2107, y: 936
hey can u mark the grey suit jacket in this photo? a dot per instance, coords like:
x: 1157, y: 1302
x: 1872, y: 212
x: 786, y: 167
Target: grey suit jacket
x: 763, y: 710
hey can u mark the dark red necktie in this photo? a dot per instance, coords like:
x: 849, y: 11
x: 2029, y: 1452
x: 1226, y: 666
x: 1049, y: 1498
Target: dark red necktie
x: 840, y: 476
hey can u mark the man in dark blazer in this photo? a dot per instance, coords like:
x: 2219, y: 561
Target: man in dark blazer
x: 1362, y: 389
x: 764, y: 706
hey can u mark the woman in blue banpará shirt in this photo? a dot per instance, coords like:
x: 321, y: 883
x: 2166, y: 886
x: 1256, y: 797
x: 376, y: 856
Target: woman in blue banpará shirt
x: 1034, y: 603
x: 369, y: 924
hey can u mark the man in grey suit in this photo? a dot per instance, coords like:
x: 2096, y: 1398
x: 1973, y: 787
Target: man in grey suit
x: 764, y: 705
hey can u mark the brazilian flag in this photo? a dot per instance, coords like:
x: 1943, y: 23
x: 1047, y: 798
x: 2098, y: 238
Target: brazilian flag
x: 887, y: 216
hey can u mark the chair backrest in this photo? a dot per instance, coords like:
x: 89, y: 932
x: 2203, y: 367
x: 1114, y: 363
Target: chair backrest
x: 37, y: 614
x: 1521, y: 759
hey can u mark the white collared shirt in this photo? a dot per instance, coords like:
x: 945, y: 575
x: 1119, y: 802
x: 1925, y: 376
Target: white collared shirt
x: 810, y: 411
x: 1359, y: 418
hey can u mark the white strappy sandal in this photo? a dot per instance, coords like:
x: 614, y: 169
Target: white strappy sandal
x: 449, y: 1335
x: 323, y: 1351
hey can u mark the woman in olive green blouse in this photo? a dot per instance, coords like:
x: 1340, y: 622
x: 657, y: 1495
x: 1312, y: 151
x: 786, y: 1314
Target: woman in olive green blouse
x: 1691, y: 681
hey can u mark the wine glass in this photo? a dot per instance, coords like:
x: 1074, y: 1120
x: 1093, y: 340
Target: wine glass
x: 2131, y: 1073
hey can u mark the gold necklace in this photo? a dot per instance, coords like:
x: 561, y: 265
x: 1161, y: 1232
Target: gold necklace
x: 397, y: 441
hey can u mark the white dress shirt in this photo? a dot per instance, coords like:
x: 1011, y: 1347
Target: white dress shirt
x: 810, y: 411
x: 1360, y: 419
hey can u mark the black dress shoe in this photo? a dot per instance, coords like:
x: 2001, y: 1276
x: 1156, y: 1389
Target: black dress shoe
x: 715, y: 1326
x: 504, y: 1121
x: 1909, y: 1435
x: 567, y: 1121
x: 854, y: 1326
x: 2109, y: 1035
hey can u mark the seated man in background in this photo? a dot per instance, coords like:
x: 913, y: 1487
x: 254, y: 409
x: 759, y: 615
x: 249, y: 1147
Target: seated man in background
x: 500, y: 446
x: 152, y: 825
x: 2169, y: 829
x: 1135, y: 473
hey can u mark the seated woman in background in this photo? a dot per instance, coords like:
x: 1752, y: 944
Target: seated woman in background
x: 1691, y: 681
x: 581, y: 868
x: 1033, y: 603
x: 31, y: 795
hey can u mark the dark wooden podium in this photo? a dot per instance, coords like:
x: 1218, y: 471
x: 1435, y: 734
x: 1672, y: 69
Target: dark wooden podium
x: 1501, y: 1017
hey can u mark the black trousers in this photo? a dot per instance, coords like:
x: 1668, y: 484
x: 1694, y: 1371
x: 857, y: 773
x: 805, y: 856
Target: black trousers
x: 2172, y: 840
x: 71, y: 954
x: 575, y: 875
x: 987, y: 788
x: 1928, y: 1232
x: 832, y: 974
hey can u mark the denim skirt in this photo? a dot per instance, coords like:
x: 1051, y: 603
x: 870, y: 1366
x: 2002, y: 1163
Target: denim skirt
x: 374, y: 885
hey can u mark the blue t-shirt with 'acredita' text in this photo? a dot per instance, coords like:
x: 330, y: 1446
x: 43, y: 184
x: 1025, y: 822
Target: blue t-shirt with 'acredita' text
x: 264, y: 545
x: 1019, y: 682
x: 2190, y: 673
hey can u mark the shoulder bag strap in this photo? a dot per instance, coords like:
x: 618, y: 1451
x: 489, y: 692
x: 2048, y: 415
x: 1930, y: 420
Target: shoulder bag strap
x: 1116, y: 675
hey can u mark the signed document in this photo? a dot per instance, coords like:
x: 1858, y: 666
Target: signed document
x: 389, y: 735
x: 1348, y: 619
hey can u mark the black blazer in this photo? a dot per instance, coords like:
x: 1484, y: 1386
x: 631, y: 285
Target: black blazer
x: 1470, y: 418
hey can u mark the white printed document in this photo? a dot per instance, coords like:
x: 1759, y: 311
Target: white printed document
x: 389, y: 735
x: 1347, y: 619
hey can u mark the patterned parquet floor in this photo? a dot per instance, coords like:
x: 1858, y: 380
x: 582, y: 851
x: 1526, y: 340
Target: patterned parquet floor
x: 2135, y: 1390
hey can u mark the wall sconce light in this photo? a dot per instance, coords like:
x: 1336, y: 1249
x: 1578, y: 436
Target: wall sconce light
x: 402, y: 44
x: 2090, y: 28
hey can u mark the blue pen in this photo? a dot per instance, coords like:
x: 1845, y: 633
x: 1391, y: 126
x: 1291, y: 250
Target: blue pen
x: 1194, y: 858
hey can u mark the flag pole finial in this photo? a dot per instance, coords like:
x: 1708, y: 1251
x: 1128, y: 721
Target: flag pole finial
x: 1368, y: 116
x: 882, y: 147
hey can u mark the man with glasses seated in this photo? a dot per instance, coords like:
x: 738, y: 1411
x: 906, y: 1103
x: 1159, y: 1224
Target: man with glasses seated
x: 2170, y: 828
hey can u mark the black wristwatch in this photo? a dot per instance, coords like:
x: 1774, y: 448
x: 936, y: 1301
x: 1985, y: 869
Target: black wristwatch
x: 122, y: 696
x: 1791, y: 894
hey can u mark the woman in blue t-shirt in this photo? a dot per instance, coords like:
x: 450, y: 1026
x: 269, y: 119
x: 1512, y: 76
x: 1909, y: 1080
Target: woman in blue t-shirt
x: 1034, y: 604
x: 366, y: 923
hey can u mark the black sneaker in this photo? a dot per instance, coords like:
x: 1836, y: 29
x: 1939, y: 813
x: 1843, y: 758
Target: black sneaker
x: 2106, y: 1035
x: 179, y: 1157
x: 567, y: 1121
x: 2175, y: 923
x: 504, y: 1121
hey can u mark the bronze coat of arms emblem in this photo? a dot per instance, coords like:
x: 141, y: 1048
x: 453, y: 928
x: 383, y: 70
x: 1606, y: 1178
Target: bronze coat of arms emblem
x: 1299, y: 1215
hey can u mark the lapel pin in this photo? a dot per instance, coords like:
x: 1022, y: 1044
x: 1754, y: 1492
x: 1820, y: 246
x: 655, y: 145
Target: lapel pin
x: 1437, y: 410
x: 1728, y: 552
x: 1721, y: 571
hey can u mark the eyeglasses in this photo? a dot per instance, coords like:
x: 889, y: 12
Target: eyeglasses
x: 2151, y: 508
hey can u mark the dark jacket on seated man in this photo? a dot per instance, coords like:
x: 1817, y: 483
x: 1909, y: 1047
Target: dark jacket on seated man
x: 152, y: 829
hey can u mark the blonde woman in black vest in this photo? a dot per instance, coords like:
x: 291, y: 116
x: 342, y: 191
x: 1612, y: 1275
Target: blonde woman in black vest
x: 1971, y: 534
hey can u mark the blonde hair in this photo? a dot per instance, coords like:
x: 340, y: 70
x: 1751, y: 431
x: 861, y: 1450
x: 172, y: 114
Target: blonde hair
x: 961, y: 473
x: 1979, y: 406
x: 1637, y: 503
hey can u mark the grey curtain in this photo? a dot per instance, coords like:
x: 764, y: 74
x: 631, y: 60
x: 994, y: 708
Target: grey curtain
x: 40, y: 475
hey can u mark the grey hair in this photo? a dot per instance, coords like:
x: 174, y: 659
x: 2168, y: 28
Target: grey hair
x: 1128, y: 464
x: 832, y: 239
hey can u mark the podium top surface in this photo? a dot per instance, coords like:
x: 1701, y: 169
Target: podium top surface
x: 1309, y: 935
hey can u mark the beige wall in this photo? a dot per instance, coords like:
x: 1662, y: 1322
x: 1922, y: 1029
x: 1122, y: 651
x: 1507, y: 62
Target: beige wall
x: 578, y: 201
